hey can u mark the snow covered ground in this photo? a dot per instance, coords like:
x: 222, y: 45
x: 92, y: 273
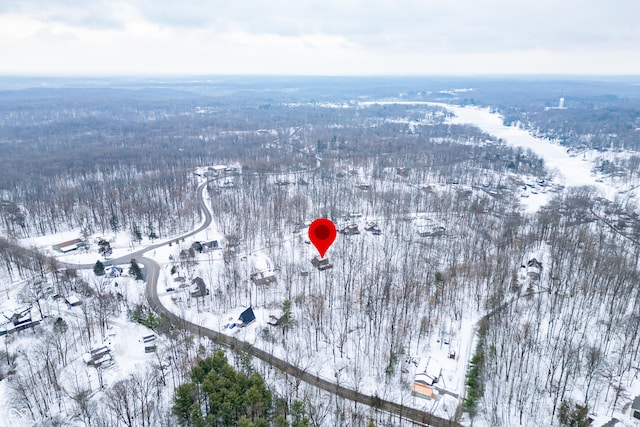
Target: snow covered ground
x: 568, y: 169
x: 209, y: 311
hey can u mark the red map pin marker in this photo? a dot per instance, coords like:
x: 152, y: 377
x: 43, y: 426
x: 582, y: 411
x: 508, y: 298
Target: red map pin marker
x: 322, y: 233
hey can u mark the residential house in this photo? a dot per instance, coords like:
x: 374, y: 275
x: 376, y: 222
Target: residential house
x: 231, y: 171
x: 432, y: 231
x: 98, y: 356
x: 373, y: 228
x: 635, y: 408
x: 428, y: 372
x: 212, y: 244
x: 221, y: 171
x: 263, y: 277
x: 350, y: 229
x: 67, y: 246
x: 201, y: 247
x: 73, y: 300
x: 149, y: 343
x: 214, y: 172
x: 534, y: 268
x: 321, y: 263
x: 247, y: 317
x: 402, y: 171
x: 113, y: 271
x: 19, y: 320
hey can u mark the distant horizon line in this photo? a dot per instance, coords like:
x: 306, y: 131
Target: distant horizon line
x: 580, y: 76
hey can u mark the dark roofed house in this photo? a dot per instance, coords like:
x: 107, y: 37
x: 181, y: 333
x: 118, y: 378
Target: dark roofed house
x: 149, y: 343
x: 437, y: 231
x: 635, y: 408
x: 534, y: 268
x: 213, y: 244
x: 247, y: 317
x: 321, y: 263
x: 68, y: 246
x: 534, y: 263
x: 19, y: 320
x: 350, y: 229
x: 199, y: 289
x: 263, y: 277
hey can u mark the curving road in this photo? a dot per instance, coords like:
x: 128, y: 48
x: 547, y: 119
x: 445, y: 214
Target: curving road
x: 125, y: 259
x: 416, y: 416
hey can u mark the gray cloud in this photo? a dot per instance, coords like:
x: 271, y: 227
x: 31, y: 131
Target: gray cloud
x: 436, y: 26
x: 374, y: 28
x: 97, y: 14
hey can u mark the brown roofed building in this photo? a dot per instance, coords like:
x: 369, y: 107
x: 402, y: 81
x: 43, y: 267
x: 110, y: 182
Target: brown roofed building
x: 68, y: 246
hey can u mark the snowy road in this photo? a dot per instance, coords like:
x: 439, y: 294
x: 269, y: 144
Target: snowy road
x: 417, y: 416
x: 125, y: 259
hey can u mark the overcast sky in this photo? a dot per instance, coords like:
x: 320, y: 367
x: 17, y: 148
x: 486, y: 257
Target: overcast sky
x: 319, y: 37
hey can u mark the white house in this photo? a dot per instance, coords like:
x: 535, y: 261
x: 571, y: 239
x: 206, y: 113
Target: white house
x: 428, y: 372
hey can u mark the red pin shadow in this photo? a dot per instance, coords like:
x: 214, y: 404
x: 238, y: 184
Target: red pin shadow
x: 322, y: 233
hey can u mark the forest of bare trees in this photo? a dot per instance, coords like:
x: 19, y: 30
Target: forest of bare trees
x: 119, y: 161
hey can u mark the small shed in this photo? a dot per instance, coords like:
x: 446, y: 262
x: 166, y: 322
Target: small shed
x: 635, y: 408
x: 73, y: 300
x: 247, y: 317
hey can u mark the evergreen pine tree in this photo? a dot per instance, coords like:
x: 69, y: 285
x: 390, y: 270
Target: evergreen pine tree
x: 98, y: 268
x: 134, y: 270
x: 136, y: 233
